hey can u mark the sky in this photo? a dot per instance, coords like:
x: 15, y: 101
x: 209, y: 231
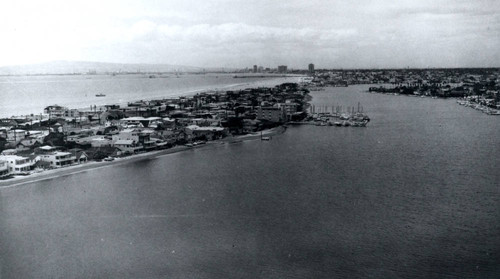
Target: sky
x: 238, y: 34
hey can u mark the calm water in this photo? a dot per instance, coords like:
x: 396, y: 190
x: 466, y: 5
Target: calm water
x: 30, y: 94
x: 413, y: 195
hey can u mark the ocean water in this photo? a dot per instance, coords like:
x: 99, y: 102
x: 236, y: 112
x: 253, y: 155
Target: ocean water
x: 20, y: 95
x: 413, y: 195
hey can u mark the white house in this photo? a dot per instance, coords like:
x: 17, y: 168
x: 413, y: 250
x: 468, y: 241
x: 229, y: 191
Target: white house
x: 4, y: 169
x: 17, y: 164
x: 58, y: 159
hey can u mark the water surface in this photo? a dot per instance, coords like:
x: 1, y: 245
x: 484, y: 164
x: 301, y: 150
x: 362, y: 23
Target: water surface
x: 413, y: 195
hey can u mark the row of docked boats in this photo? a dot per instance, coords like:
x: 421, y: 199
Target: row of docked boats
x: 357, y: 119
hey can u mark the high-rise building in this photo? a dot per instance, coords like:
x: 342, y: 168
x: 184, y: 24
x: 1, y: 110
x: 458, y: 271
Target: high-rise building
x: 282, y: 69
x: 254, y: 68
x: 311, y: 68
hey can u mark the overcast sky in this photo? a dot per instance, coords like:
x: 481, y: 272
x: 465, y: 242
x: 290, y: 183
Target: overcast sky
x: 234, y: 33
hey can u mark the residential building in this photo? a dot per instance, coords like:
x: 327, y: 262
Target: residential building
x: 100, y: 141
x: 17, y: 164
x: 16, y: 135
x: 139, y: 121
x: 127, y: 145
x: 58, y: 159
x: 140, y: 138
x: 4, y: 169
x: 273, y: 114
x: 55, y: 111
x: 290, y: 109
x: 81, y: 157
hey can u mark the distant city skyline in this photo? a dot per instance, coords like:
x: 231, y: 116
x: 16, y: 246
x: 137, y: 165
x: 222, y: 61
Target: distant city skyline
x: 239, y: 34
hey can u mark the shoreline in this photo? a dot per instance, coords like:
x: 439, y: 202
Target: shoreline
x: 74, y: 169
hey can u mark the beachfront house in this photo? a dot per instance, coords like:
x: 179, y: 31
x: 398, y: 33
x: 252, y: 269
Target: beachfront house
x: 127, y: 146
x: 18, y: 164
x: 81, y: 157
x: 4, y: 169
x: 58, y: 159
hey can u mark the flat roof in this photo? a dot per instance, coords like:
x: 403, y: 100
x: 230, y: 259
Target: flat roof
x: 12, y: 157
x: 139, y: 118
x: 124, y: 142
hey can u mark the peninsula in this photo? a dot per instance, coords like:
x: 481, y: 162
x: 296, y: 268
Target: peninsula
x: 67, y: 137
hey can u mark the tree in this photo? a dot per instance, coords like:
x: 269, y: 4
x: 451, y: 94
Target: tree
x: 3, y: 142
x: 54, y: 139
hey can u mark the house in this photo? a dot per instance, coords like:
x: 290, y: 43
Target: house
x: 18, y: 164
x: 29, y: 143
x: 141, y: 121
x: 100, y: 141
x: 9, y: 152
x: 167, y: 135
x: 16, y: 135
x: 81, y: 157
x: 127, y: 146
x: 4, y: 169
x: 58, y: 158
x: 139, y: 136
x: 55, y: 111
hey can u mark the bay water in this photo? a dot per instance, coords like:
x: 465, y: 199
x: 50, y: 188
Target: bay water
x: 415, y: 194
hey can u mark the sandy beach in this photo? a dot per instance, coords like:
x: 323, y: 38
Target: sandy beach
x: 54, y: 173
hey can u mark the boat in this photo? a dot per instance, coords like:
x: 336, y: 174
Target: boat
x: 493, y: 112
x: 344, y: 116
x: 264, y: 138
x: 100, y: 95
x: 359, y: 123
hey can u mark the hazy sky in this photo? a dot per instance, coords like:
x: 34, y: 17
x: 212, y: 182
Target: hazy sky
x: 234, y: 33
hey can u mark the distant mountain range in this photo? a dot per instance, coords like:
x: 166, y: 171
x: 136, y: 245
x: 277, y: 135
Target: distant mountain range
x: 83, y: 67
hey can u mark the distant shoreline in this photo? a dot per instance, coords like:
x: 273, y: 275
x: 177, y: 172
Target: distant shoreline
x: 5, y: 112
